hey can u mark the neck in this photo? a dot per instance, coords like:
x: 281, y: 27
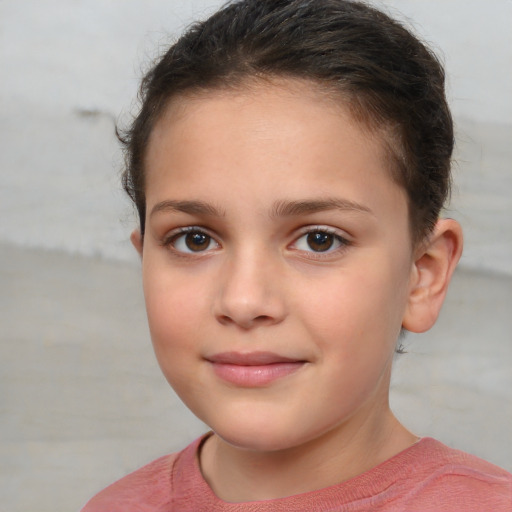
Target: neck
x: 238, y: 475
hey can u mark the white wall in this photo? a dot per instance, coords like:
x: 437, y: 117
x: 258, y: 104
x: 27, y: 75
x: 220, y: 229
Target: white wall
x: 69, y: 68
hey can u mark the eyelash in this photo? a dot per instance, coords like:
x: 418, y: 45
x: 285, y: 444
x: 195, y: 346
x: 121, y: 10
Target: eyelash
x: 343, y: 242
x: 170, y: 241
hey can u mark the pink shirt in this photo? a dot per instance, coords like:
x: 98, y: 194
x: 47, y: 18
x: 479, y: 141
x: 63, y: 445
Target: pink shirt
x: 426, y: 477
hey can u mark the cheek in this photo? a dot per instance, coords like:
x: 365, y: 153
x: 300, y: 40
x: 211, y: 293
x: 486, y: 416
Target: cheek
x: 174, y: 323
x: 174, y: 314
x: 358, y: 311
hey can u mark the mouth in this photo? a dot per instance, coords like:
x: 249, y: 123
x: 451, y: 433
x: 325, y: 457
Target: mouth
x: 255, y: 369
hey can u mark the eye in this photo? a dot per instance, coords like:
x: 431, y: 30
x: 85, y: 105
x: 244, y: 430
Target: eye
x: 320, y: 240
x: 191, y: 240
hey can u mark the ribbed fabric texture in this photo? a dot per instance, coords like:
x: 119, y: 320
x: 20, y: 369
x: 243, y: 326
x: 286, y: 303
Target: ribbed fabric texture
x: 427, y: 477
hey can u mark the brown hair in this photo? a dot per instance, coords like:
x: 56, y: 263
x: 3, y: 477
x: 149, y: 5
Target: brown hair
x: 390, y: 80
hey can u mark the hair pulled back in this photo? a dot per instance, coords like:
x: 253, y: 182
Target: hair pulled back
x: 389, y: 79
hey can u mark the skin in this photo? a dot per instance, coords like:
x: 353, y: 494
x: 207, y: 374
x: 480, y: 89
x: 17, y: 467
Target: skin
x: 254, y: 170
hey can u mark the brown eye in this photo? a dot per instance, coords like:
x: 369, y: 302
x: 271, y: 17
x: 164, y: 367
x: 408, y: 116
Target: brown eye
x: 320, y: 241
x: 192, y: 241
x: 197, y: 241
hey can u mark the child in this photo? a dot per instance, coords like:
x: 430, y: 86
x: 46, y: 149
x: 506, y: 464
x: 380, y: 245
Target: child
x: 289, y: 164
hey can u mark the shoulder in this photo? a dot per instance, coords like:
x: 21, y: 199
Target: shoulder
x: 148, y: 489
x: 148, y: 486
x: 449, y: 479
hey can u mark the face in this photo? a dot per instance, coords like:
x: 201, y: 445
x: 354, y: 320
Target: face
x: 276, y: 264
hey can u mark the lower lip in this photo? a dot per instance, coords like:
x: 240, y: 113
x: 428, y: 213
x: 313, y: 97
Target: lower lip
x: 255, y: 376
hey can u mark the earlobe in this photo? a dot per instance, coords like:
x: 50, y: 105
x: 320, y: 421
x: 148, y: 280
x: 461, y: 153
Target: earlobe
x: 137, y: 241
x: 431, y: 275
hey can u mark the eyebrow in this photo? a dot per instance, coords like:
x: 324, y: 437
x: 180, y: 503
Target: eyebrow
x: 293, y: 208
x: 279, y: 209
x: 190, y: 207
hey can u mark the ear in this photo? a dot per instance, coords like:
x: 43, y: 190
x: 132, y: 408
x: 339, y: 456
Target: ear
x: 137, y: 241
x: 432, y: 270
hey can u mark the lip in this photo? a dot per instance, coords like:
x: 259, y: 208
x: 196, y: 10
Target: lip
x: 254, y: 369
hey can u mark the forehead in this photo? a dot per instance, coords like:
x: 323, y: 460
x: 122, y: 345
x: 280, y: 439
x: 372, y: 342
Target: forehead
x: 292, y: 133
x: 260, y: 105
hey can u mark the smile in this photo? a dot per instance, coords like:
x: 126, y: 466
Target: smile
x: 255, y: 369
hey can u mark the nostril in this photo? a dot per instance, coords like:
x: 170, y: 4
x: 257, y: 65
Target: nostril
x: 262, y: 318
x: 225, y: 319
x: 246, y: 323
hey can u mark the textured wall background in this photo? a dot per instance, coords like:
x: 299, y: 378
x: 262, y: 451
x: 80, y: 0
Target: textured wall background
x: 82, y: 401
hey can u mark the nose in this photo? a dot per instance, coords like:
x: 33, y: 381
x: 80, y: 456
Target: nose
x: 249, y: 292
